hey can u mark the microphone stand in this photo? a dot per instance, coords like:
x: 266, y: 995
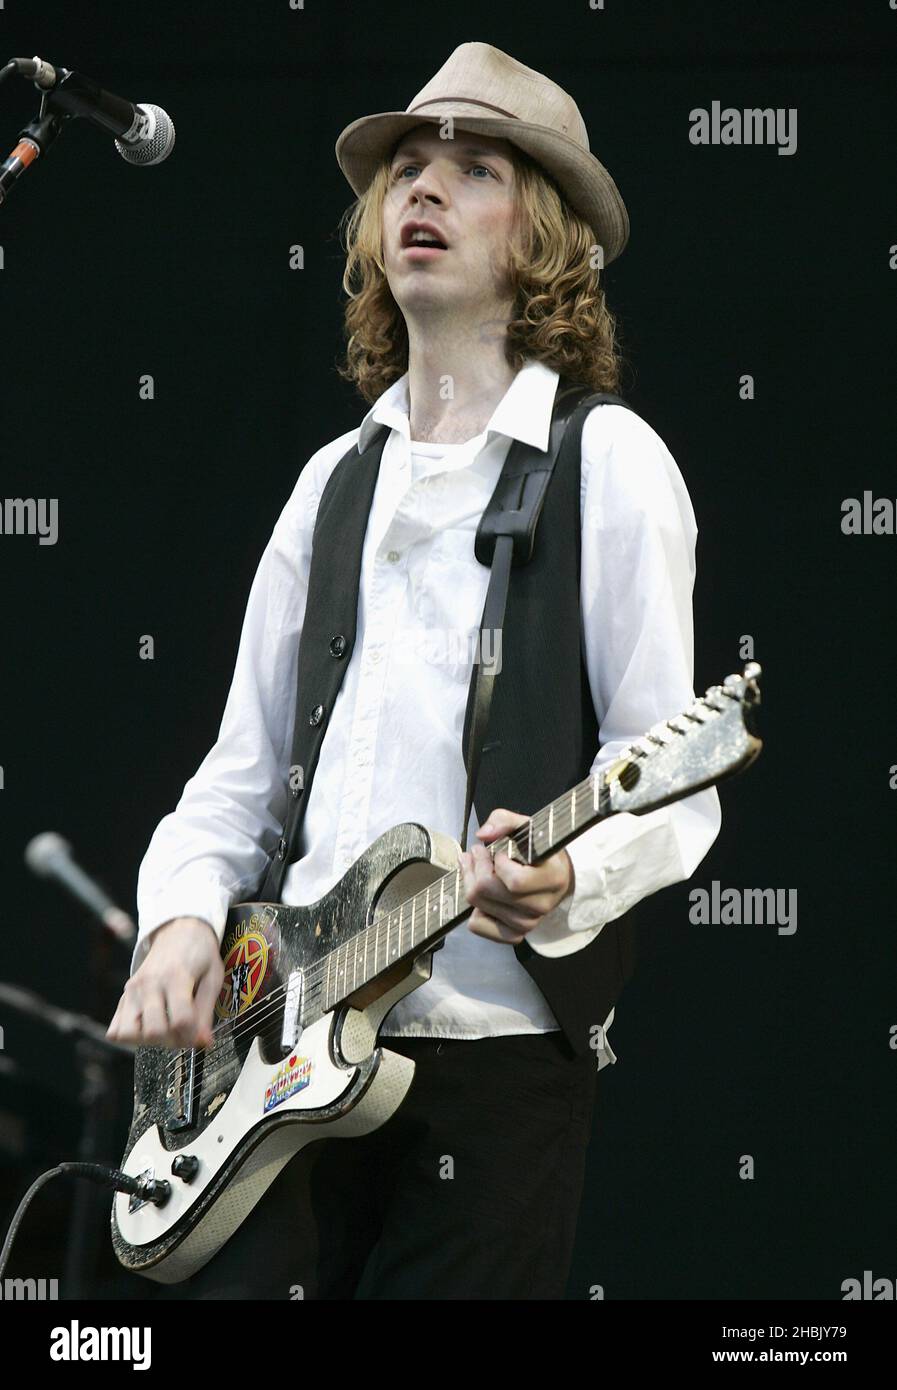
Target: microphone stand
x: 34, y: 140
x: 97, y: 1093
x: 70, y: 95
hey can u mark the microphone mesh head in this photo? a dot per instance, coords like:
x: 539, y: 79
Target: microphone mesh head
x: 154, y: 137
x: 44, y: 850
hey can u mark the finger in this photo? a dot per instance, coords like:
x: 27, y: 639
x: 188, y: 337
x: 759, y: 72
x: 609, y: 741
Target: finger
x: 531, y: 881
x: 516, y: 916
x: 502, y: 819
x: 182, y: 1012
x: 493, y: 930
x: 127, y: 1017
x: 484, y: 889
x: 207, y: 992
x: 155, y: 1028
x: 112, y: 1028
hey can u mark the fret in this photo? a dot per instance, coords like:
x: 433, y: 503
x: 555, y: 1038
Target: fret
x: 551, y: 825
x: 573, y: 810
x: 341, y: 969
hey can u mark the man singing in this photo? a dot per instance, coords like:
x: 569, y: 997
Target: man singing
x: 474, y: 253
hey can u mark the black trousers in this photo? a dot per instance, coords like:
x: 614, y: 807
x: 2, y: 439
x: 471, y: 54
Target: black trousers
x: 470, y: 1190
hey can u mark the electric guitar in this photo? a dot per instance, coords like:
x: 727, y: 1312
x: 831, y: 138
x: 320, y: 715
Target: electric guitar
x: 295, y: 1056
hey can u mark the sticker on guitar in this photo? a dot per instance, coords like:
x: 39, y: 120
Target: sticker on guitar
x: 249, y: 960
x: 292, y: 1076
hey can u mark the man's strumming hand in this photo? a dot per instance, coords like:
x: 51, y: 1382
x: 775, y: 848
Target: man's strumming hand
x: 169, y: 1000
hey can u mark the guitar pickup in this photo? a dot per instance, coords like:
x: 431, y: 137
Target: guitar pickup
x: 181, y: 1092
x: 292, y: 1013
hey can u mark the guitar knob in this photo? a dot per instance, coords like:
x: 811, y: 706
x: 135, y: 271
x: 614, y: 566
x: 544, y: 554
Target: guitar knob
x: 185, y: 1167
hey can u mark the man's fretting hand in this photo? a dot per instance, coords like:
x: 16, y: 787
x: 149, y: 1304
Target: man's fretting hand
x: 169, y: 1000
x: 509, y: 898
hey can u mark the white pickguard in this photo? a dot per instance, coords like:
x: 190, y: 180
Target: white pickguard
x: 240, y: 1112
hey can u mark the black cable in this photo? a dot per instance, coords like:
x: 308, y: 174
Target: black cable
x: 23, y: 1205
x: 148, y: 1189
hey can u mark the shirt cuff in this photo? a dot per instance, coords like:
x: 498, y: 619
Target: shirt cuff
x: 617, y: 862
x: 578, y: 918
x: 190, y: 894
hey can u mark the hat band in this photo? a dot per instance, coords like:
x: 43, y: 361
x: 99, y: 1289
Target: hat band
x: 467, y: 101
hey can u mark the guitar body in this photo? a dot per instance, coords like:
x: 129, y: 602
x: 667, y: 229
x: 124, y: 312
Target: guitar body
x: 219, y: 1124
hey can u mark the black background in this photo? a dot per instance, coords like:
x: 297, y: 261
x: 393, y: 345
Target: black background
x: 731, y: 1040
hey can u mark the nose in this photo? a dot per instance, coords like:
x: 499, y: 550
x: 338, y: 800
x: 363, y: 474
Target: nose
x: 427, y: 188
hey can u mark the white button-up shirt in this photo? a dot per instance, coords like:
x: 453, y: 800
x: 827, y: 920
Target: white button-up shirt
x: 391, y: 751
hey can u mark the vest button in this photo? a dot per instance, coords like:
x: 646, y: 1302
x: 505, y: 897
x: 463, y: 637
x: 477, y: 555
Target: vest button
x: 316, y: 715
x: 337, y: 645
x: 282, y: 849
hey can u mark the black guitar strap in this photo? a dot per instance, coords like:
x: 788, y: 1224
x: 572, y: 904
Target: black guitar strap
x: 506, y: 535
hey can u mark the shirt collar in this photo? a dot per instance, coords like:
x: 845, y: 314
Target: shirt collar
x: 524, y: 411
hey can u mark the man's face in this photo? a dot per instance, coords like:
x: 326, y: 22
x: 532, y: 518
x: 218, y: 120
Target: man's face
x: 464, y: 189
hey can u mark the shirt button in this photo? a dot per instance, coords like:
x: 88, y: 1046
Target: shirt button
x: 374, y: 657
x: 337, y: 645
x: 392, y: 556
x: 316, y: 715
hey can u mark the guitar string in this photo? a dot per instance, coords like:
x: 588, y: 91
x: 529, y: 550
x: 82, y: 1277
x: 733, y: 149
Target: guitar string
x: 253, y: 1018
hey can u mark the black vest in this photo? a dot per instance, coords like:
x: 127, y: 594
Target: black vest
x: 542, y: 734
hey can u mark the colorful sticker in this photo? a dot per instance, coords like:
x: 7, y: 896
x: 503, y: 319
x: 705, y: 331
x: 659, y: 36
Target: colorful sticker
x: 247, y: 958
x: 293, y: 1075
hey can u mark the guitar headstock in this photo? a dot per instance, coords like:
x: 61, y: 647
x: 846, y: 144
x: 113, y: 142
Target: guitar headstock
x: 709, y: 741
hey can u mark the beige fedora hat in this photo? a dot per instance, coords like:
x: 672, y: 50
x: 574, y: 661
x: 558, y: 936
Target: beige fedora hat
x: 490, y: 93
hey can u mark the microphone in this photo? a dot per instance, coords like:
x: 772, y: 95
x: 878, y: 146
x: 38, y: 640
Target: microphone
x: 144, y: 132
x: 50, y: 856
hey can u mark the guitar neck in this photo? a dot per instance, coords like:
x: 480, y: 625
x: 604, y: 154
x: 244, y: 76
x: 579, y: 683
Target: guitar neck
x: 676, y: 758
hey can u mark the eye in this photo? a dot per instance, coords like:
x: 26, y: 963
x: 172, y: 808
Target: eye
x: 403, y: 168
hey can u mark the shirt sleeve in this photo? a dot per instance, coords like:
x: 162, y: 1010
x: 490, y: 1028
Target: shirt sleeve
x: 637, y: 579
x: 217, y: 842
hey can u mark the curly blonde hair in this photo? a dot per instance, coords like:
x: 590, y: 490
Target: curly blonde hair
x: 559, y: 317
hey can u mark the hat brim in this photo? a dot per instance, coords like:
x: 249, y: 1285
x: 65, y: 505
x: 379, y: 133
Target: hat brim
x: 583, y: 179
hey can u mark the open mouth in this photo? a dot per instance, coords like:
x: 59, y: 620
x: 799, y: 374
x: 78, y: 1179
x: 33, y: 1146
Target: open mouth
x: 423, y: 237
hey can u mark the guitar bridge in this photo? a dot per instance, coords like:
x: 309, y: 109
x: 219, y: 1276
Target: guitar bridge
x: 292, y: 1013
